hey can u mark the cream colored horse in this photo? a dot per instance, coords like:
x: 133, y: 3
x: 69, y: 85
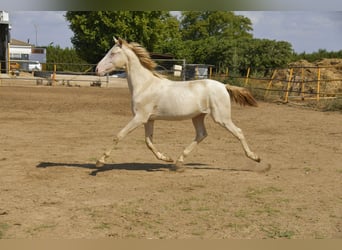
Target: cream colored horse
x: 157, y: 98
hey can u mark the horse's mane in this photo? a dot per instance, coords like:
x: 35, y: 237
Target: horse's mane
x: 144, y: 57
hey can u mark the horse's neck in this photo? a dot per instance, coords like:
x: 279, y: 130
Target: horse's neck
x: 138, y: 77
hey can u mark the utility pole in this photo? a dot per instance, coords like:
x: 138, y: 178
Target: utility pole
x: 36, y: 29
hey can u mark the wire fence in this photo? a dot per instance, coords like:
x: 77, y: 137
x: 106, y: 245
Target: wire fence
x: 296, y: 82
x: 292, y: 83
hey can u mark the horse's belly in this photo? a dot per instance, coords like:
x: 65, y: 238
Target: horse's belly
x: 178, y: 112
x: 173, y: 117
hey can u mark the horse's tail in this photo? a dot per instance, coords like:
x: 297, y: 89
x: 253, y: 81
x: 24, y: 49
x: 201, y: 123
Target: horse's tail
x: 241, y: 95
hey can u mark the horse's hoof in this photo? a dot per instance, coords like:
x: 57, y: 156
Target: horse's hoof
x: 254, y: 157
x: 178, y: 167
x: 168, y: 159
x: 99, y: 164
x: 164, y: 157
x: 265, y: 170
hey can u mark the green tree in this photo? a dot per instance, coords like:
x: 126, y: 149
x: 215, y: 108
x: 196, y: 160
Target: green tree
x: 219, y: 38
x: 65, y: 59
x: 318, y: 55
x: 209, y: 37
x: 197, y: 25
x: 264, y: 55
x: 94, y: 30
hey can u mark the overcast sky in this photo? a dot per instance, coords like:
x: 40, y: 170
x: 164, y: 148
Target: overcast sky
x: 307, y: 31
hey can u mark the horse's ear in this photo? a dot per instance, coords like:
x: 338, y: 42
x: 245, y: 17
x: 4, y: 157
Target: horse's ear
x: 115, y: 40
x: 120, y: 41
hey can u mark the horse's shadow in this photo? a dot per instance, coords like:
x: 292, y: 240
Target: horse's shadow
x: 134, y: 166
x: 108, y: 167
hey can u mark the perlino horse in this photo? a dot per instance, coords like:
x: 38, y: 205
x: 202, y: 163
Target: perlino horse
x: 157, y: 98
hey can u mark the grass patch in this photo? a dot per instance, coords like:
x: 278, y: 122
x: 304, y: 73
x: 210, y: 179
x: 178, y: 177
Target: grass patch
x: 3, y: 228
x: 41, y: 228
x: 44, y: 227
x: 318, y: 236
x: 240, y: 214
x: 203, y: 209
x: 102, y: 226
x: 198, y: 233
x: 307, y: 169
x: 187, y: 203
x: 332, y: 105
x: 92, y: 159
x: 255, y: 193
x: 235, y: 226
x: 276, y: 233
x: 267, y: 210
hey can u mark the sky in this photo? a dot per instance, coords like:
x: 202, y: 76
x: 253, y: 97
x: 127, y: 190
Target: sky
x: 307, y: 31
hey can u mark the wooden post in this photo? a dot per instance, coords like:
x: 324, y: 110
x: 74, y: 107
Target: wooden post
x: 288, y: 86
x: 318, y: 82
x: 183, y: 70
x: 227, y: 72
x: 247, y: 76
x: 270, y: 83
x: 210, y: 71
x: 54, y: 74
x: 302, y: 85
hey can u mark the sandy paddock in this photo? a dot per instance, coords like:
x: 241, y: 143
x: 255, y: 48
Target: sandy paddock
x: 50, y: 188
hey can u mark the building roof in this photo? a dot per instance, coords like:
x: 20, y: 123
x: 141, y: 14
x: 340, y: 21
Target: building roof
x: 200, y: 65
x: 161, y: 56
x: 19, y: 43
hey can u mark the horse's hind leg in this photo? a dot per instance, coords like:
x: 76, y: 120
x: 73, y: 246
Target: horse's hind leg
x: 149, y: 142
x: 237, y: 132
x: 201, y: 133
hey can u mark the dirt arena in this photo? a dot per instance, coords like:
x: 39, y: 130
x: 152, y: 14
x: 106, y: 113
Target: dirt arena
x: 50, y: 138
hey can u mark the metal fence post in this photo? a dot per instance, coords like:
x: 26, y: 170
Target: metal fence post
x: 318, y: 82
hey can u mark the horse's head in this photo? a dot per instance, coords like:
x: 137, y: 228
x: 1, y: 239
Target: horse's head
x: 114, y: 59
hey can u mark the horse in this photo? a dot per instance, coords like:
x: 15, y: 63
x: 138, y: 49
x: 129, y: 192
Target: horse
x: 154, y: 97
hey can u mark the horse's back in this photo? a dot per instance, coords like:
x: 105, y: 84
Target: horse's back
x: 211, y: 90
x: 215, y: 90
x: 183, y: 100
x: 206, y: 85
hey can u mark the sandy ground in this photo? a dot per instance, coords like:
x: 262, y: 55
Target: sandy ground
x: 50, y: 138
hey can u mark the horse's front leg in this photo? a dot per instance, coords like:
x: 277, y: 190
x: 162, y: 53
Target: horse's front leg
x: 133, y: 124
x: 149, y: 142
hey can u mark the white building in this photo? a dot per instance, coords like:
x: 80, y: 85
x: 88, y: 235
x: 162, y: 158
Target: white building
x: 25, y: 53
x: 19, y: 50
